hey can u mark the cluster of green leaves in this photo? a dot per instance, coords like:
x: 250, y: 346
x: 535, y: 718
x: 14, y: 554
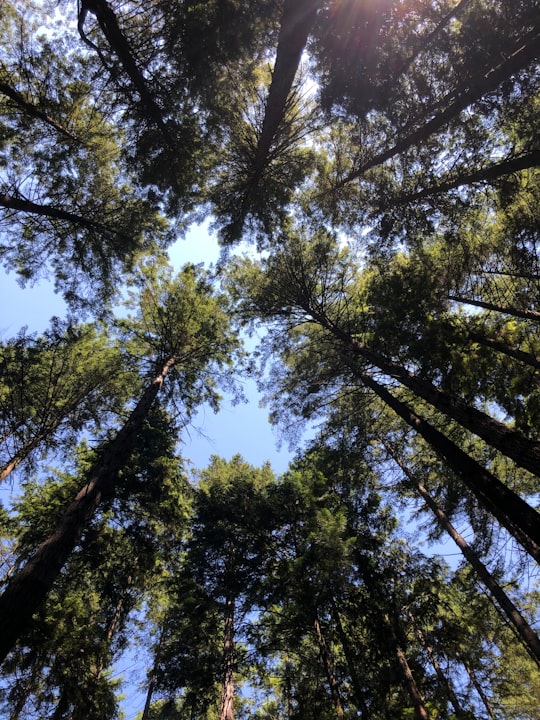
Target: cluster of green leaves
x: 384, y: 158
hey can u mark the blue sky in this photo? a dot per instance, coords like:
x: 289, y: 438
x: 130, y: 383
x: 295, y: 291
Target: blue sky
x: 242, y: 428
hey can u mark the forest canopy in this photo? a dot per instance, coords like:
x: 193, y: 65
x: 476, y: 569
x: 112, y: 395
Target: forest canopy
x: 371, y: 169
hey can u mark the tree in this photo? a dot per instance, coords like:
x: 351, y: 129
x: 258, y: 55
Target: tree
x: 53, y: 386
x: 310, y: 291
x: 216, y: 582
x: 66, y: 654
x: 66, y: 196
x: 182, y: 322
x: 383, y: 156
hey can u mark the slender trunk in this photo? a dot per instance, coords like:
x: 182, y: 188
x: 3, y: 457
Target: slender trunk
x: 507, y: 273
x: 525, y: 632
x: 149, y: 694
x: 17, y: 458
x: 112, y: 627
x: 108, y: 23
x: 445, y: 681
x: 288, y: 688
x: 420, y: 709
x: 407, y: 677
x: 226, y: 711
x: 328, y: 669
x: 524, y: 357
x: 23, y: 693
x: 153, y: 679
x: 484, y: 175
x: 347, y: 650
x: 34, y: 111
x: 296, y: 22
x: 28, y: 588
x: 426, y: 41
x: 13, y: 202
x: 519, y: 518
x: 61, y: 708
x: 470, y: 92
x: 506, y: 310
x: 524, y: 452
x: 478, y: 687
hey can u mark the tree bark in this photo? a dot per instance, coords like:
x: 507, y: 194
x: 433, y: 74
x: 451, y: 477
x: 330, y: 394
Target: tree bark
x: 520, y: 355
x: 484, y: 175
x: 12, y: 202
x: 108, y: 23
x: 407, y: 677
x: 472, y: 90
x: 515, y: 312
x: 445, y: 681
x: 28, y: 588
x: 17, y: 458
x: 519, y: 518
x: 296, y: 22
x: 30, y: 109
x: 478, y: 687
x: 347, y: 650
x: 424, y: 42
x: 226, y: 711
x: 328, y: 669
x: 526, y: 634
x: 524, y: 452
x: 148, y: 699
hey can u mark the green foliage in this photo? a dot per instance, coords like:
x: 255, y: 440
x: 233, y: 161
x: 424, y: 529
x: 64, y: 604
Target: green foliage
x: 184, y: 317
x: 383, y: 159
x: 65, y: 192
x: 55, y: 385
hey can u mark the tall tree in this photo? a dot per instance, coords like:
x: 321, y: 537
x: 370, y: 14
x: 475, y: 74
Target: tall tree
x: 183, y: 322
x: 217, y: 583
x: 53, y: 386
x: 311, y: 292
x: 66, y: 195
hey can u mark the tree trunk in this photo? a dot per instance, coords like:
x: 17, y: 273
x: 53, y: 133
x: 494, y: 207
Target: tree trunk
x: 484, y: 175
x: 17, y: 458
x: 34, y: 111
x: 152, y: 679
x: 420, y: 709
x: 472, y: 90
x: 13, y: 202
x: 515, y: 312
x: 296, y: 22
x: 520, y: 355
x: 226, y: 711
x: 407, y: 677
x: 328, y: 669
x: 108, y: 23
x: 445, y: 681
x: 347, y: 650
x: 524, y: 452
x: 426, y: 41
x: 478, y: 687
x: 525, y: 632
x: 28, y: 588
x: 23, y: 695
x: 519, y: 518
x: 148, y: 700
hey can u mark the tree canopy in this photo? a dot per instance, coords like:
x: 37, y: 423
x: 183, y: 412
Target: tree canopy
x: 371, y: 170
